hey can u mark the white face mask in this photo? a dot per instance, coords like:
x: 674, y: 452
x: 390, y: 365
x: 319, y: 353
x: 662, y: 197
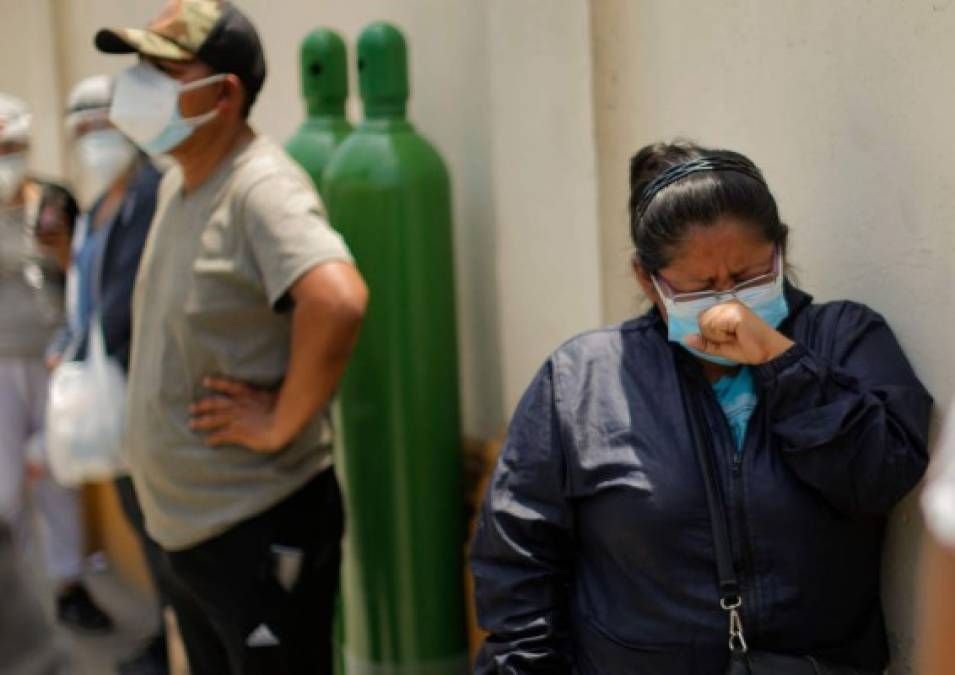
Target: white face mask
x: 13, y: 169
x: 102, y: 156
x: 146, y: 108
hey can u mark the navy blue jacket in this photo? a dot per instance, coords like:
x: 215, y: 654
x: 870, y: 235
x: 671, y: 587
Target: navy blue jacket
x: 120, y: 263
x: 594, y: 553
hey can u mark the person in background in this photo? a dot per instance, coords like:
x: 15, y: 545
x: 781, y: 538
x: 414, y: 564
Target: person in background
x: 27, y: 643
x: 245, y: 311
x: 32, y: 241
x: 55, y: 223
x: 937, y: 581
x: 117, y: 185
x: 595, y: 551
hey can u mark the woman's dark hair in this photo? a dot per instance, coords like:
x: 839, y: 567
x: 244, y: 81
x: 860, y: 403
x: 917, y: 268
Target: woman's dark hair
x: 58, y: 209
x: 660, y: 217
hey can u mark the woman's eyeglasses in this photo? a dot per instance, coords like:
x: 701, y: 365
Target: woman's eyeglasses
x: 664, y: 287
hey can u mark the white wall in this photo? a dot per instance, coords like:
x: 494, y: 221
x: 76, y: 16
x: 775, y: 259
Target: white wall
x: 544, y: 171
x: 28, y: 70
x: 847, y: 106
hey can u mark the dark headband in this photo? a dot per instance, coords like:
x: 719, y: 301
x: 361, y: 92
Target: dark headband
x: 680, y: 171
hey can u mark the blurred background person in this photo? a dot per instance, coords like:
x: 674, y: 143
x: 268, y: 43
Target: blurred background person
x: 28, y: 645
x: 116, y: 185
x: 35, y: 230
x: 937, y: 649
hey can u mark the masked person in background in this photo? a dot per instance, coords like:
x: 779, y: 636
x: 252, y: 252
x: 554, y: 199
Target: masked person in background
x: 713, y: 476
x: 117, y: 187
x: 245, y: 311
x: 32, y: 240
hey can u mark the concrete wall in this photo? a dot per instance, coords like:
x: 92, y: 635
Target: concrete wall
x: 847, y: 106
x: 29, y: 71
x: 544, y: 170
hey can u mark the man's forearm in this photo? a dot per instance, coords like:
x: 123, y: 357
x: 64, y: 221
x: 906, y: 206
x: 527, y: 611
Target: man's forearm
x: 325, y: 327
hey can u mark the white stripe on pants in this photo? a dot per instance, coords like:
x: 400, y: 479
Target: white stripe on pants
x: 23, y: 391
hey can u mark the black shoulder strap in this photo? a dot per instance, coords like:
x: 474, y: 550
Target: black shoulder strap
x: 729, y: 586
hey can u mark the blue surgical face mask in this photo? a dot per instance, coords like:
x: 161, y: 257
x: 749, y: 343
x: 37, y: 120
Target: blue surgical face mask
x: 764, y: 297
x: 146, y: 108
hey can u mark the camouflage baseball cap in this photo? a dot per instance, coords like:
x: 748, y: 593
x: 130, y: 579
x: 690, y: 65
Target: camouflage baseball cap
x: 212, y: 31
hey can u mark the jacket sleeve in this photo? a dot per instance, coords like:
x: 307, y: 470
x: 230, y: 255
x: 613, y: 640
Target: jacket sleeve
x: 852, y: 424
x: 521, y: 555
x: 119, y: 272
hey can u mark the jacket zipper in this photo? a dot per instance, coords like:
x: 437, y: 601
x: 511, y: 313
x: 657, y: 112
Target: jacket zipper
x: 738, y: 510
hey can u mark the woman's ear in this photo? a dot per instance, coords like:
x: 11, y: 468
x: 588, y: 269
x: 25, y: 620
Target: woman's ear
x: 644, y: 279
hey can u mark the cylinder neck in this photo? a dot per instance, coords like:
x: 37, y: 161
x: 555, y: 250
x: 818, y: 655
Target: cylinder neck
x: 323, y: 109
x: 383, y: 72
x: 383, y: 110
x: 389, y: 125
x: 324, y: 71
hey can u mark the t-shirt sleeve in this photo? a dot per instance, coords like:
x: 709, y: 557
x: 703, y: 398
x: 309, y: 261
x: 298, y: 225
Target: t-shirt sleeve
x: 938, y: 498
x: 288, y: 233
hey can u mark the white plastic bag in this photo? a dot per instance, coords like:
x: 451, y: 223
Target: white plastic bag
x: 86, y: 416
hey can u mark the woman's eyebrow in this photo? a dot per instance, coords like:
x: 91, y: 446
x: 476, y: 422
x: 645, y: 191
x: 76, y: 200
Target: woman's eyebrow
x: 706, y: 283
x: 756, y: 269
x: 747, y: 271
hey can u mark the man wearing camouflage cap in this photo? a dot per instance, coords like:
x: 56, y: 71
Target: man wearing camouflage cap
x: 246, y: 308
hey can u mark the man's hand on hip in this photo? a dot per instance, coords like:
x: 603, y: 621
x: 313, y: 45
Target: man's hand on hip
x: 237, y: 414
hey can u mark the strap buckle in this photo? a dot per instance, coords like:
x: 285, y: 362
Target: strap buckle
x: 737, y: 641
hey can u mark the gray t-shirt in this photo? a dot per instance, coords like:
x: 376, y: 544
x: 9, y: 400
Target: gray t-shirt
x: 211, y: 299
x: 31, y: 290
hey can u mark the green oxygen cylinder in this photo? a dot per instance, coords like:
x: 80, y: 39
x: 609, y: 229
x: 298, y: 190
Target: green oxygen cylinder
x: 324, y: 68
x: 399, y: 452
